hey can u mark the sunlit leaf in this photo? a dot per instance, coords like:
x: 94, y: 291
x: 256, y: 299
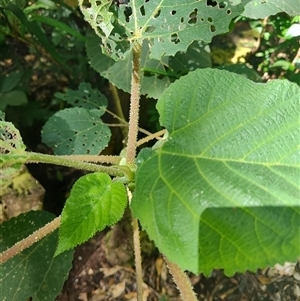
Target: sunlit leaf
x: 223, y: 190
x: 94, y: 203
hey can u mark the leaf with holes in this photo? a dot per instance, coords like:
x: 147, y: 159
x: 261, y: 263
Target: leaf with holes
x: 85, y: 97
x: 94, y: 203
x: 76, y: 131
x: 169, y: 25
x: 12, y: 150
x: 33, y: 274
x: 223, y: 190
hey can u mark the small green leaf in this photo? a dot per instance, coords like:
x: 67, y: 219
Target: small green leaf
x: 10, y: 139
x: 85, y: 97
x: 13, y: 98
x: 8, y: 83
x: 76, y: 131
x: 12, y: 150
x: 33, y: 274
x: 223, y: 190
x: 94, y: 203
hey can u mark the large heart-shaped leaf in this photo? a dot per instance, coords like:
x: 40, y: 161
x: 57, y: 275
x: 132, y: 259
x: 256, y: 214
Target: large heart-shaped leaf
x: 223, y: 190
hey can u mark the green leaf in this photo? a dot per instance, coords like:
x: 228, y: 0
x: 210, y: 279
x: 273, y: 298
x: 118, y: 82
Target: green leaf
x: 244, y: 70
x: 196, y: 56
x: 13, y: 98
x: 259, y: 9
x: 292, y: 32
x: 169, y: 25
x: 85, y: 97
x: 76, y: 131
x: 8, y: 83
x: 223, y: 190
x: 12, y: 150
x: 119, y: 72
x: 10, y: 139
x: 60, y: 26
x: 156, y: 74
x: 94, y: 203
x: 33, y: 274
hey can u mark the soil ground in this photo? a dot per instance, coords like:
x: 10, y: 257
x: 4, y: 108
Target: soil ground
x: 94, y: 278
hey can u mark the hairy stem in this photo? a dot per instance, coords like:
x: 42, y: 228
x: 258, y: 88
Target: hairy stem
x: 125, y: 123
x: 137, y: 254
x: 118, y: 108
x: 151, y: 137
x: 131, y: 153
x: 137, y: 259
x: 30, y: 240
x: 94, y: 158
x: 66, y: 161
x: 134, y: 105
x: 182, y: 282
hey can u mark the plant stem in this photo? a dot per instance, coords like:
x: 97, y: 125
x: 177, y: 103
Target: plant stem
x: 131, y: 153
x: 94, y: 158
x: 118, y: 107
x: 182, y: 282
x: 30, y: 240
x: 151, y: 137
x: 66, y: 161
x: 137, y: 254
x: 137, y: 259
x: 125, y: 123
x: 134, y: 105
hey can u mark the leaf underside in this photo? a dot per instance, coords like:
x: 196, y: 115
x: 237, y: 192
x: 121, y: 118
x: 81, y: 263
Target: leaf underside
x: 223, y: 191
x: 170, y: 26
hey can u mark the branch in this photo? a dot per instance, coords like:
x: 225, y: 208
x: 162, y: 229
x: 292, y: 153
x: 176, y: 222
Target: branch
x: 66, y: 161
x: 134, y: 104
x: 182, y: 281
x: 29, y: 240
